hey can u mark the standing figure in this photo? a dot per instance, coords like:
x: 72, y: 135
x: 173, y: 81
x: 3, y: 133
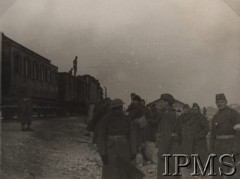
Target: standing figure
x: 151, y: 128
x: 114, y: 143
x: 204, y: 111
x: 194, y: 128
x: 25, y: 113
x: 94, y: 124
x: 75, y: 66
x: 225, y: 132
x: 167, y: 140
x: 25, y: 107
x: 132, y: 95
x: 135, y: 111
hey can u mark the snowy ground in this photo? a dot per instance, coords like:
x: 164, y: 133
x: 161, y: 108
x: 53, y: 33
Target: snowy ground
x: 57, y: 149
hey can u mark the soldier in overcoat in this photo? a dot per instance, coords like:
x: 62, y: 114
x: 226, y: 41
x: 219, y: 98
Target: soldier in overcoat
x: 114, y: 143
x: 152, y: 126
x: 25, y: 111
x: 225, y: 132
x: 185, y: 116
x: 136, y: 111
x: 94, y: 124
x: 167, y: 140
x: 194, y: 128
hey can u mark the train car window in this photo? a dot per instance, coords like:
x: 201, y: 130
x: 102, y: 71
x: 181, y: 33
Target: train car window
x: 51, y: 77
x: 34, y: 71
x: 37, y: 71
x: 46, y: 75
x: 25, y: 67
x: 41, y: 73
x: 29, y: 68
x: 17, y: 63
x: 55, y: 78
x: 32, y: 66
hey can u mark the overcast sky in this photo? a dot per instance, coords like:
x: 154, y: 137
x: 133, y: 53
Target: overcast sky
x: 189, y: 48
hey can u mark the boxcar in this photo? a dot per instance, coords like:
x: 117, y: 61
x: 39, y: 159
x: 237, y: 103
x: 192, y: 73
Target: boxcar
x: 93, y: 89
x: 71, y: 94
x: 24, y: 71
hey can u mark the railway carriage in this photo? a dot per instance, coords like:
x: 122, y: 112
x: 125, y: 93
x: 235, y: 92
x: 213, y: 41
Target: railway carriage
x: 25, y: 72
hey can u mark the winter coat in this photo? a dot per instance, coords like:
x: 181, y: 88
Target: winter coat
x: 167, y: 142
x: 223, y: 138
x: 114, y: 142
x: 193, y: 131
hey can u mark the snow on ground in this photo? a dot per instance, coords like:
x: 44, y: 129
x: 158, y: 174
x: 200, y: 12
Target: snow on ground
x: 58, y: 149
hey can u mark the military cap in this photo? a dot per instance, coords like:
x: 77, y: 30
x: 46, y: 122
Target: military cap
x: 137, y: 98
x: 132, y: 94
x: 186, y: 106
x: 195, y: 105
x: 167, y: 97
x: 220, y: 96
x: 116, y: 103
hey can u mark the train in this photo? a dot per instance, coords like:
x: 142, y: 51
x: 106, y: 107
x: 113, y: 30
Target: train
x: 24, y: 72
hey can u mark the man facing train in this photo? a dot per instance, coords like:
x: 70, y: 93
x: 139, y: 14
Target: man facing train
x: 25, y: 109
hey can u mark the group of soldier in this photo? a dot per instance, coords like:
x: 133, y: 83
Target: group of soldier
x: 120, y: 135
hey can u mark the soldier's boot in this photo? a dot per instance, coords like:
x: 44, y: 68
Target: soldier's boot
x: 29, y: 128
x: 24, y: 128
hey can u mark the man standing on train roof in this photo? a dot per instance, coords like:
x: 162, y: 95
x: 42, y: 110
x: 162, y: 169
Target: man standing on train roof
x: 167, y: 140
x: 225, y: 132
x: 75, y: 66
x: 114, y: 144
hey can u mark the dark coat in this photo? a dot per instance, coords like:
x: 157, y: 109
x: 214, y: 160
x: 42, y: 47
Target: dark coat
x: 94, y: 124
x: 222, y: 125
x: 135, y: 112
x: 166, y: 142
x: 146, y: 132
x: 115, y: 125
x: 25, y: 111
x: 166, y: 127
x: 153, y: 122
x: 193, y: 131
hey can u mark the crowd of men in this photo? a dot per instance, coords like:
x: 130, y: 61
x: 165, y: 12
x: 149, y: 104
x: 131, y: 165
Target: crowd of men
x: 120, y: 135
